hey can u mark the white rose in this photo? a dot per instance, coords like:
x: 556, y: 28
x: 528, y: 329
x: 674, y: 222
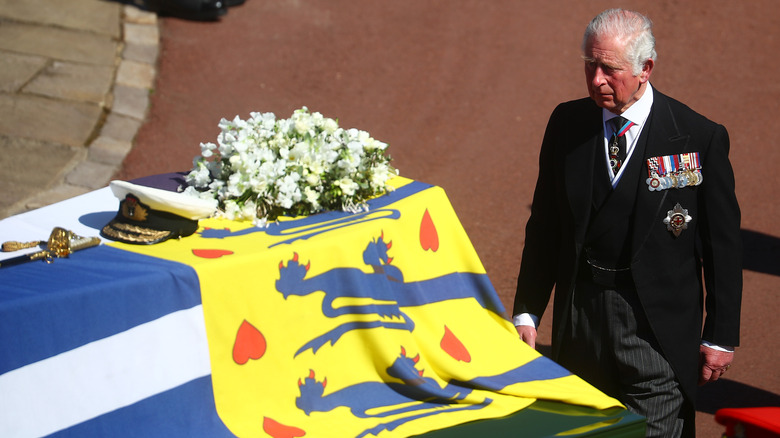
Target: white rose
x: 330, y: 126
x: 312, y: 197
x: 348, y: 187
x: 303, y: 126
x: 232, y: 210
x: 312, y: 179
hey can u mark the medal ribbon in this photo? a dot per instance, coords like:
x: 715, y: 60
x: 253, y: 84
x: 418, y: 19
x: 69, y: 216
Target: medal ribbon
x: 652, y: 166
x: 670, y: 164
x: 622, y: 131
x: 674, y: 165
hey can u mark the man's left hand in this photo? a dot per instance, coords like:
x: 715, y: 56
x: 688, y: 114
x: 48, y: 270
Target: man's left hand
x: 713, y: 363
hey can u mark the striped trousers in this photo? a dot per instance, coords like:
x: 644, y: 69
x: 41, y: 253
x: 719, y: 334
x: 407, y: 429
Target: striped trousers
x: 610, y: 345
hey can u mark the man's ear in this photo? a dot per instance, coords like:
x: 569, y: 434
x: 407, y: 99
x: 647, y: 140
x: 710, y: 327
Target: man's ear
x: 647, y: 69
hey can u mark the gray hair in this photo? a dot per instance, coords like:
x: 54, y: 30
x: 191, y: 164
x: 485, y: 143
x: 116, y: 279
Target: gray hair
x: 632, y: 26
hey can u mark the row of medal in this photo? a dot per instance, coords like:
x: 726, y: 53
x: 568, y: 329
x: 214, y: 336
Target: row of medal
x: 674, y: 171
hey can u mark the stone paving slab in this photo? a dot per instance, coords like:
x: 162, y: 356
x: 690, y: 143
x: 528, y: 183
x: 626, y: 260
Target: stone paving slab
x: 120, y: 127
x: 71, y: 81
x: 36, y: 163
x: 56, y: 43
x: 109, y: 150
x: 40, y: 118
x: 141, y: 53
x: 17, y: 69
x: 135, y: 74
x: 141, y: 33
x: 101, y: 17
x: 130, y: 101
x: 90, y: 174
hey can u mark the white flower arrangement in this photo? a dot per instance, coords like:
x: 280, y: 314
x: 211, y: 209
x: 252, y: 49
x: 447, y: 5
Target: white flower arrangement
x: 263, y: 168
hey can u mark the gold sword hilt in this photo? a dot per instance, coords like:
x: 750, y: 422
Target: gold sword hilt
x: 63, y: 243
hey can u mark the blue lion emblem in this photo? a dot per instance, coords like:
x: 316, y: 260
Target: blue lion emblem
x: 407, y: 384
x: 384, y: 288
x: 367, y: 399
x: 354, y: 283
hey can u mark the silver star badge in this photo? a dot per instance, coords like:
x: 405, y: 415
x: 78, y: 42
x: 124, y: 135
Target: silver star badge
x: 677, y: 220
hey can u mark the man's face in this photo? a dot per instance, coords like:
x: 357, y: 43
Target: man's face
x: 611, y: 81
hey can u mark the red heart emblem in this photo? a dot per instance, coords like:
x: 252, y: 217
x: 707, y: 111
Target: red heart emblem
x: 211, y: 253
x: 279, y: 430
x: 452, y: 346
x: 429, y: 237
x: 249, y: 344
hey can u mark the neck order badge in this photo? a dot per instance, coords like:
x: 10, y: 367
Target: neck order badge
x: 370, y: 324
x: 617, y: 145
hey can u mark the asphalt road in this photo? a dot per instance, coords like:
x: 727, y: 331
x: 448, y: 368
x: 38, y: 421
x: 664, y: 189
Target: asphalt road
x: 461, y: 90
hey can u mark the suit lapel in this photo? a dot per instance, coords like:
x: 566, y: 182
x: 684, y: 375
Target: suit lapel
x: 661, y: 136
x: 579, y: 172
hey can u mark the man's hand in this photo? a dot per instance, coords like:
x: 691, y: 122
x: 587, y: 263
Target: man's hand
x: 527, y: 334
x: 713, y: 363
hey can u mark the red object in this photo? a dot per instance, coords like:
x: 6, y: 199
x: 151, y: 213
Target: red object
x: 249, y: 344
x: 279, y: 430
x: 211, y: 253
x: 750, y: 422
x: 454, y: 347
x: 429, y: 237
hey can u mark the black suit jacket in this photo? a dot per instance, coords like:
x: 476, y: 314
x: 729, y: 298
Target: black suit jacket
x: 669, y: 272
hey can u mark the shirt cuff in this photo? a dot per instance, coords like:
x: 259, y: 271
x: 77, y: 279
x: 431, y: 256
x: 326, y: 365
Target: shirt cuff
x: 526, y: 319
x: 715, y: 347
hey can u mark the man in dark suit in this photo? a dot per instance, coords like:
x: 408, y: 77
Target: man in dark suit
x: 631, y: 218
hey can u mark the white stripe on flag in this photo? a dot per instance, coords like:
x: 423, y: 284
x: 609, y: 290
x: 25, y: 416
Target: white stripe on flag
x: 64, y: 390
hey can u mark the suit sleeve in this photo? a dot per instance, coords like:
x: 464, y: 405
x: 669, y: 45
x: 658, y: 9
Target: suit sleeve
x: 721, y: 244
x: 539, y: 260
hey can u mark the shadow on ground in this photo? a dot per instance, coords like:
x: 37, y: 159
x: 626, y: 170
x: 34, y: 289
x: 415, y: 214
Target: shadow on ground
x: 761, y: 252
x: 726, y: 393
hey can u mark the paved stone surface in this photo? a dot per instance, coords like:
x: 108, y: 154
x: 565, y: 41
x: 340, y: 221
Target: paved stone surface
x: 75, y: 79
x: 57, y: 43
x: 30, y: 116
x: 97, y: 17
x: 64, y: 80
x: 17, y: 69
x: 42, y: 161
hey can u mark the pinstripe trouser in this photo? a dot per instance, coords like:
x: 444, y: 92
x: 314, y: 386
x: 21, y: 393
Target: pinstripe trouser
x: 611, y: 346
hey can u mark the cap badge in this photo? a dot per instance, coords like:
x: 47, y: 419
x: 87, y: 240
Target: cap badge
x: 133, y: 209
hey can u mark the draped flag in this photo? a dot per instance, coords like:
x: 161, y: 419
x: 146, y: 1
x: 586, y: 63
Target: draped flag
x: 382, y: 323
x: 105, y: 343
